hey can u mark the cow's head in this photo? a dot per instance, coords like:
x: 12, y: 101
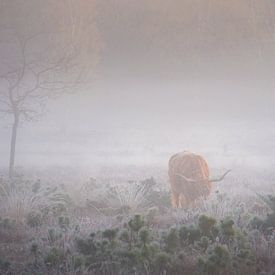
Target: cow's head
x: 190, y: 180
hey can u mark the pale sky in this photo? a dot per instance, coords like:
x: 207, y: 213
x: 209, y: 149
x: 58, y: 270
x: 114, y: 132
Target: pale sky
x: 172, y: 75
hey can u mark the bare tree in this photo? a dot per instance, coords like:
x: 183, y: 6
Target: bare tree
x: 45, y: 52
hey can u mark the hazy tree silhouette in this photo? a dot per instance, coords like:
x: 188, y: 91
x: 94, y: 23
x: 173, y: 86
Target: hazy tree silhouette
x: 47, y: 48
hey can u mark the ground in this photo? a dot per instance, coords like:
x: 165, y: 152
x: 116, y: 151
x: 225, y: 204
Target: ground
x: 122, y: 222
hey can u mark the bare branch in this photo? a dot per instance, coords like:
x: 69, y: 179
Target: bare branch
x: 6, y: 111
x: 5, y: 102
x: 12, y: 72
x: 21, y: 71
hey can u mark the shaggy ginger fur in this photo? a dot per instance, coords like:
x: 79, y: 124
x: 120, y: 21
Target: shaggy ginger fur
x: 189, y: 179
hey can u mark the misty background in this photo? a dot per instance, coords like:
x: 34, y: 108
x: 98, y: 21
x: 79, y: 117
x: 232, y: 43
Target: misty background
x: 172, y: 76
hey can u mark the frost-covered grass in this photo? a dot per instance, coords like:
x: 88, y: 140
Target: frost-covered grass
x: 126, y: 225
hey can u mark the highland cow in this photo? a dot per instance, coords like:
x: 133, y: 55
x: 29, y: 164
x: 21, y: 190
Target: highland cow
x: 189, y: 179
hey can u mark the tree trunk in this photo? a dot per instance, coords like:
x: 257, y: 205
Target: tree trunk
x: 13, y: 144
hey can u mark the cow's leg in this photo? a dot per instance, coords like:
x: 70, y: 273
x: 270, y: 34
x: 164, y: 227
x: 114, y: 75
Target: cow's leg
x: 182, y: 201
x: 175, y: 200
x: 190, y: 203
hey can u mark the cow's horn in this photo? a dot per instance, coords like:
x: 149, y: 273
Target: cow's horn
x: 185, y: 178
x: 221, y: 178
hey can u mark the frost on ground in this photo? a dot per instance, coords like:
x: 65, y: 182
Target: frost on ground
x: 126, y: 225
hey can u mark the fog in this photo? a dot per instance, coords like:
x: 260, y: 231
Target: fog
x: 137, y: 137
x: 171, y: 76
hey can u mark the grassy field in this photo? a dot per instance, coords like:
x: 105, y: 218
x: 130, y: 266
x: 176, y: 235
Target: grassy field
x: 121, y: 222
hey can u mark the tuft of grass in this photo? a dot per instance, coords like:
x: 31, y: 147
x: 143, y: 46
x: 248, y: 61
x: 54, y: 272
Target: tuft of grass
x: 20, y: 200
x: 126, y: 198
